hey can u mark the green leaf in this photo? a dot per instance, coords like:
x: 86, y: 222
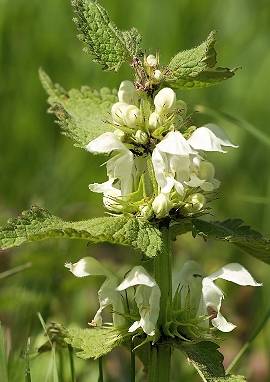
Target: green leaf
x: 96, y: 342
x: 81, y: 114
x: 38, y: 224
x: 108, y: 46
x: 196, y: 67
x: 208, y: 361
x: 236, y: 232
x: 233, y: 231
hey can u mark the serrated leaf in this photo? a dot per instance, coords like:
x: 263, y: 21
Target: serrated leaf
x: 38, y: 224
x: 236, y: 232
x: 196, y: 67
x: 82, y: 114
x: 108, y: 46
x: 96, y: 342
x: 233, y: 231
x: 206, y: 359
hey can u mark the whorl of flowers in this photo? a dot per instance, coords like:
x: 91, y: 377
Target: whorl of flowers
x: 157, y: 162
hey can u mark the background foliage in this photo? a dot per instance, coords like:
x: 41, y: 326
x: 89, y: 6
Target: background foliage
x: 38, y: 166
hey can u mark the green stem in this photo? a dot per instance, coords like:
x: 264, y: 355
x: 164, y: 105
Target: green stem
x: 71, y: 362
x: 248, y: 343
x: 132, y: 364
x: 163, y: 276
x: 100, y: 369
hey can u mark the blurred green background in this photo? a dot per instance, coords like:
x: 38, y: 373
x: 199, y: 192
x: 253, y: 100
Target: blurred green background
x: 39, y: 166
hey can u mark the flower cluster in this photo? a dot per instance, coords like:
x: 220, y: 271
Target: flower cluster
x: 157, y: 165
x: 203, y: 295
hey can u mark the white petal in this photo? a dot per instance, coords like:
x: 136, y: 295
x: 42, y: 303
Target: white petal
x: 194, y: 181
x: 105, y: 144
x: 236, y: 273
x: 88, y: 266
x: 105, y: 188
x: 175, y: 143
x: 136, y: 325
x: 162, y: 205
x: 147, y: 298
x: 137, y: 276
x: 210, y: 138
x: 127, y: 93
x: 222, y: 324
x: 161, y: 170
x: 120, y: 166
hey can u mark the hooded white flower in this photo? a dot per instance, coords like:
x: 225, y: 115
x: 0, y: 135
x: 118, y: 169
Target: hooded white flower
x: 147, y: 297
x: 120, y: 166
x: 171, y: 162
x: 212, y: 295
x: 210, y: 138
x: 205, y: 296
x: 107, y: 293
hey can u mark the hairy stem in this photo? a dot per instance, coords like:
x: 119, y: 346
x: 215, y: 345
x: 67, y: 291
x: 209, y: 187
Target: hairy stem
x: 163, y: 276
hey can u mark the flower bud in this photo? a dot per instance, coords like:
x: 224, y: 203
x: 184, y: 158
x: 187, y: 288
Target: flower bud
x: 165, y: 100
x: 162, y: 205
x: 154, y: 120
x: 151, y: 60
x: 195, y: 203
x: 146, y: 212
x: 181, y: 107
x: 206, y: 170
x: 141, y: 137
x: 118, y: 112
x: 127, y: 93
x: 133, y: 116
x: 120, y: 134
x: 158, y: 75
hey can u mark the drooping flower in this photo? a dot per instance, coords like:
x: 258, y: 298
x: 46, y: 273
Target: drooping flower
x: 206, y: 297
x: 107, y: 294
x: 120, y: 167
x: 147, y: 298
x: 210, y: 138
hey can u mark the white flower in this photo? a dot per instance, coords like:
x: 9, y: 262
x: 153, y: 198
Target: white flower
x: 107, y: 293
x: 127, y: 93
x: 151, y: 60
x: 147, y: 298
x: 171, y: 162
x: 212, y: 295
x: 165, y: 100
x: 202, y: 175
x: 162, y: 205
x: 205, y: 296
x: 110, y: 194
x: 121, y: 165
x: 210, y: 138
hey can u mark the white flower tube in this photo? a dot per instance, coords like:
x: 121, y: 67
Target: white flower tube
x: 212, y: 296
x: 107, y: 293
x: 210, y: 138
x: 147, y: 297
x: 162, y: 205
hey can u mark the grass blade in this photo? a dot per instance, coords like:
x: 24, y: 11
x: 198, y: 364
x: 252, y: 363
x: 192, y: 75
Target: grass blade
x: 248, y: 343
x: 15, y: 270
x: 3, y: 357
